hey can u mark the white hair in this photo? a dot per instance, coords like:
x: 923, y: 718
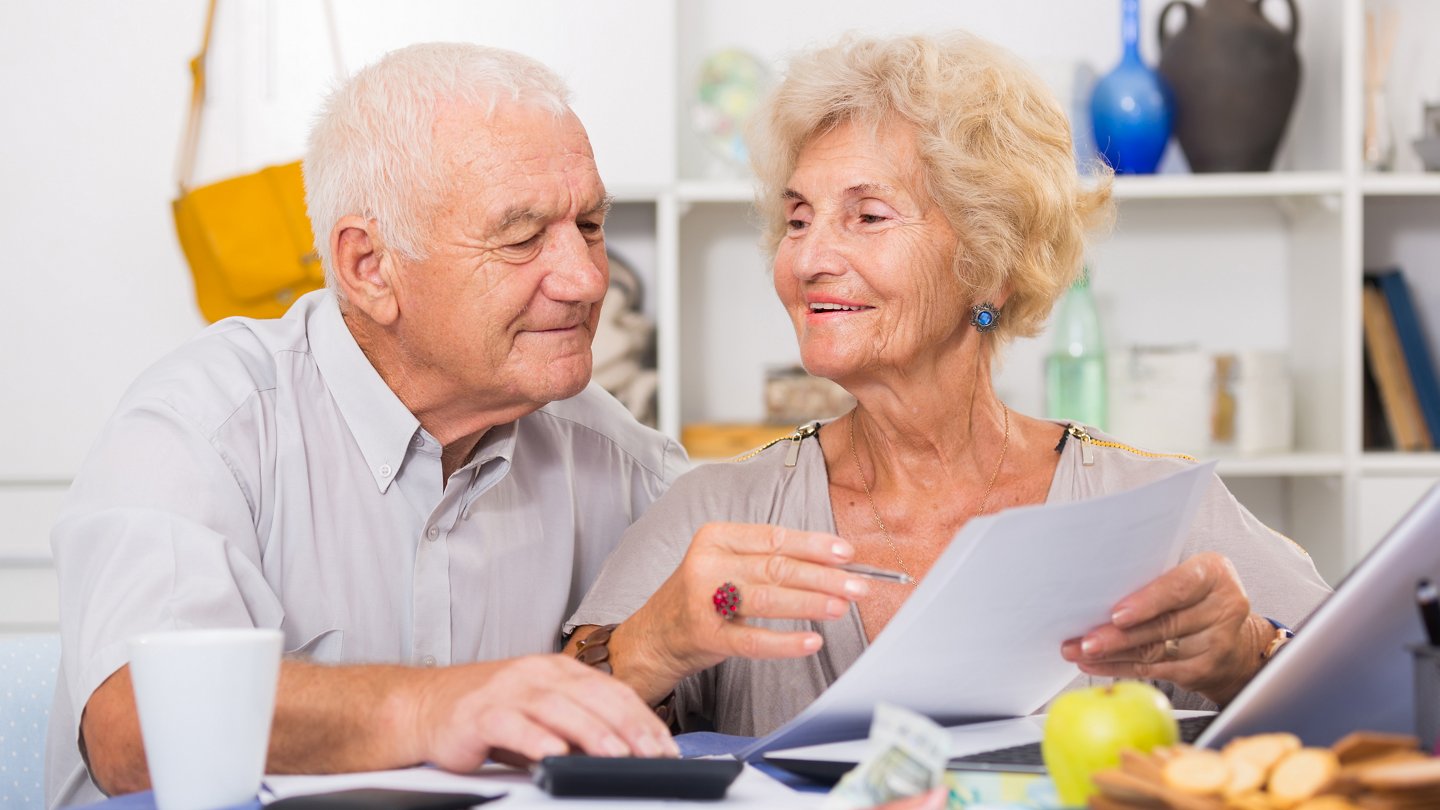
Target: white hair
x: 372, y: 148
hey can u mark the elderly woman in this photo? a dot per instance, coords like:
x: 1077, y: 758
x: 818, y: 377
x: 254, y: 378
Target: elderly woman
x: 920, y: 199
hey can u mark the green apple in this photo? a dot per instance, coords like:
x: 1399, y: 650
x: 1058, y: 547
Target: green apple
x: 1086, y: 729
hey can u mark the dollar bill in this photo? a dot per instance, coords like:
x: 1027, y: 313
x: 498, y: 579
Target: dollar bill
x: 907, y: 757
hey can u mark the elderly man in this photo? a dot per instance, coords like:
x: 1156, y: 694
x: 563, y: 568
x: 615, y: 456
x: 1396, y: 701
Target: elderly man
x: 406, y: 474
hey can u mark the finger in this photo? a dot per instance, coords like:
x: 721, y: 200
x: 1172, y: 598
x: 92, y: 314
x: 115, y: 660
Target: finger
x: 1182, y: 673
x: 1108, y: 641
x: 625, y: 714
x: 510, y: 728
x: 576, y: 722
x: 759, y: 642
x: 779, y: 569
x: 1157, y: 652
x: 1180, y: 587
x: 751, y: 538
x: 1222, y: 612
x: 505, y: 756
x: 774, y: 602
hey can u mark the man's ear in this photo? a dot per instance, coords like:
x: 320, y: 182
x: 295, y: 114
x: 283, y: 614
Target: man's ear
x: 364, y: 271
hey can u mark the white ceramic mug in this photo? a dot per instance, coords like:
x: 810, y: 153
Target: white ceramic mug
x: 206, y: 698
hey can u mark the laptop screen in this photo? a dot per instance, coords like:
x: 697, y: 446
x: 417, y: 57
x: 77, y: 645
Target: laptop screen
x: 1348, y: 667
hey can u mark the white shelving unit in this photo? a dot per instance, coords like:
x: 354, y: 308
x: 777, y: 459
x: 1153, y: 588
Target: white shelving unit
x: 1228, y: 261
x: 1257, y: 261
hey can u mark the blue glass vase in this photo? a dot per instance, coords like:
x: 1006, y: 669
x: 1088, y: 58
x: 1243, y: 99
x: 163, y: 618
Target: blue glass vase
x: 1131, y: 109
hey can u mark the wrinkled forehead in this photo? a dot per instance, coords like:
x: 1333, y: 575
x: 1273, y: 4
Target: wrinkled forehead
x: 519, y: 156
x: 883, y: 153
x: 511, y: 131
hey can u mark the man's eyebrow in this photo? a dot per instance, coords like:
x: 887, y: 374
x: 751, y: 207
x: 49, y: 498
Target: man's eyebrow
x: 602, y: 208
x: 514, y: 216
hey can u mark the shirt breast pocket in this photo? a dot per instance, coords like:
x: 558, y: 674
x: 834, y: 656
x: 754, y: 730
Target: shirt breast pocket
x: 325, y: 647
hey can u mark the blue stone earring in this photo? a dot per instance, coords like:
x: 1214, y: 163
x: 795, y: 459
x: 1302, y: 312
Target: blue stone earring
x: 984, y: 316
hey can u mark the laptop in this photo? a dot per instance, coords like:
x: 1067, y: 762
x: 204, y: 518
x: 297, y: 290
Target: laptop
x: 1347, y: 668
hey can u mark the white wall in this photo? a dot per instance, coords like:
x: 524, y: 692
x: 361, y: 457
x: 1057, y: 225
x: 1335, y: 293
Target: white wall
x: 94, y: 97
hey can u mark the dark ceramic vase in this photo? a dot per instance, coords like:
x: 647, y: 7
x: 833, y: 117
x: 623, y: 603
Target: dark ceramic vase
x: 1234, y: 75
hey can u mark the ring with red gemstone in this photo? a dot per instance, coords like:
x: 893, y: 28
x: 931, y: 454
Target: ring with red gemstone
x: 727, y: 600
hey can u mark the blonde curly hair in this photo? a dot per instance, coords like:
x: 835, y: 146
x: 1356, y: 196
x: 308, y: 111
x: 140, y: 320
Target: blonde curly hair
x: 993, y: 141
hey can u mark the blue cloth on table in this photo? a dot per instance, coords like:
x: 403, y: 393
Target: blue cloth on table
x: 710, y: 743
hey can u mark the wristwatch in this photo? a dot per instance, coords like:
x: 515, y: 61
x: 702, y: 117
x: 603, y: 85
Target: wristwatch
x: 1282, y: 637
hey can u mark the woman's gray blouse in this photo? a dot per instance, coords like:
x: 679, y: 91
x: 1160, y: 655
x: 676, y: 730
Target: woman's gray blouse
x: 753, y: 697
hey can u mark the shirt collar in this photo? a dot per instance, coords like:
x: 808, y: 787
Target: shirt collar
x: 379, y: 421
x: 497, y: 445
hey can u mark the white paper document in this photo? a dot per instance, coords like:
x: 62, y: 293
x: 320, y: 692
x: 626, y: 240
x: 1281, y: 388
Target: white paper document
x: 980, y: 638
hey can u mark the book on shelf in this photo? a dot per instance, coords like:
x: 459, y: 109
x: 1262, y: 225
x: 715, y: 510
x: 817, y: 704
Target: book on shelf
x: 1375, y: 431
x: 1392, y: 375
x: 1413, y: 343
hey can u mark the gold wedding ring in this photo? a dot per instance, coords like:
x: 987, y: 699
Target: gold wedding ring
x: 1172, y: 649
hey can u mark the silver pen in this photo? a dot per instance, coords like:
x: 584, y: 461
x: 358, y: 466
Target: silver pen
x: 871, y: 572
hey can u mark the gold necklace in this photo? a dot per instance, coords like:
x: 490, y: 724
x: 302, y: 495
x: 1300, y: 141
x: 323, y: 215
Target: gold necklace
x: 879, y: 521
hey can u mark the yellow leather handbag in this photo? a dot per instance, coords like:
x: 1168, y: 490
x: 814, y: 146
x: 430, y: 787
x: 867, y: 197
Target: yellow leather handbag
x: 247, y: 239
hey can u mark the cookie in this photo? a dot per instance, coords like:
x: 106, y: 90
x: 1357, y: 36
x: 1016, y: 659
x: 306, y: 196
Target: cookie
x: 1198, y: 772
x: 1302, y: 774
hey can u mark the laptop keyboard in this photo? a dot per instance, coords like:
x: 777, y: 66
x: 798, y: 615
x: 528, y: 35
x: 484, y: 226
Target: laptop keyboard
x: 1029, y: 754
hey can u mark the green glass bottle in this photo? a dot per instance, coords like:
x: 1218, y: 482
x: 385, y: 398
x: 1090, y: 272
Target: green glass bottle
x: 1075, y: 370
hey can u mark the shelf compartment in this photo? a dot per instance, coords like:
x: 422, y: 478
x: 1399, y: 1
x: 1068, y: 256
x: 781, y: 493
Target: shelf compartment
x: 1227, y: 186
x: 1281, y: 465
x: 1386, y: 462
x: 1401, y: 185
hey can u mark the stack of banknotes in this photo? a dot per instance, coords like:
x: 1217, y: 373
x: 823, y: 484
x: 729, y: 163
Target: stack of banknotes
x: 907, y: 757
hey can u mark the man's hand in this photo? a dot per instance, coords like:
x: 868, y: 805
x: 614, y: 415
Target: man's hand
x: 1192, y: 626
x: 336, y: 719
x: 536, y: 706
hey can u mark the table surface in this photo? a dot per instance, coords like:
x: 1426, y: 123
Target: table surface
x: 691, y: 745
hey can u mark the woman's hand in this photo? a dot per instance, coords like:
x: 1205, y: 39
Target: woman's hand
x: 779, y: 573
x: 1192, y: 626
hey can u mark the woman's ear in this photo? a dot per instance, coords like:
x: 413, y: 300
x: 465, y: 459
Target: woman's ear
x: 1001, y: 297
x: 364, y: 271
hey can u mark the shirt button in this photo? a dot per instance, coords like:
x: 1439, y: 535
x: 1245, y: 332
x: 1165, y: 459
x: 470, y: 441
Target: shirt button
x: 385, y: 471
x: 417, y: 440
x: 428, y: 660
x: 433, y: 533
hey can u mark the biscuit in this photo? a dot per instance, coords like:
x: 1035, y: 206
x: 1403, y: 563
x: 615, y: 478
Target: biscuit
x: 1262, y: 750
x: 1245, y: 777
x: 1197, y: 771
x: 1411, y: 774
x: 1302, y: 774
x: 1362, y: 745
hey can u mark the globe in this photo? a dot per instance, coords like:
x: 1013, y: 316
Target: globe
x: 731, y: 84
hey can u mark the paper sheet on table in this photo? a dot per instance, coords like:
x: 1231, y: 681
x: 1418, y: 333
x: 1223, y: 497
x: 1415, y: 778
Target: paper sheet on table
x: 980, y: 638
x: 751, y: 789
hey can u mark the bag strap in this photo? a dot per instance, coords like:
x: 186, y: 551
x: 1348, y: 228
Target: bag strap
x: 185, y: 168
